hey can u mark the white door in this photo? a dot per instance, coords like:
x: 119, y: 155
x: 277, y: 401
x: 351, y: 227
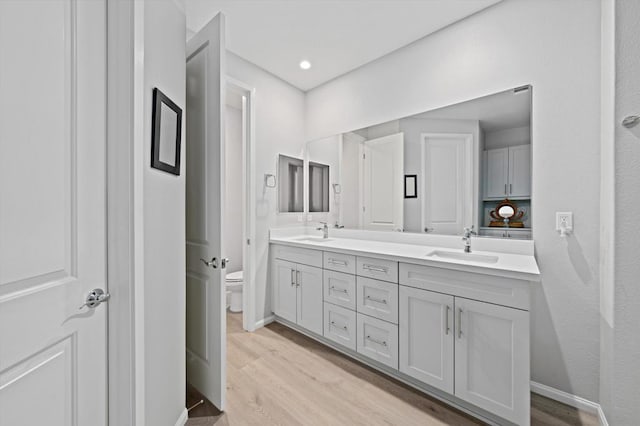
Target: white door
x: 497, y: 173
x: 426, y: 337
x: 520, y: 171
x: 383, y: 183
x: 53, y: 358
x: 447, y: 194
x: 492, y: 358
x: 284, y: 290
x: 309, y: 283
x: 206, y: 301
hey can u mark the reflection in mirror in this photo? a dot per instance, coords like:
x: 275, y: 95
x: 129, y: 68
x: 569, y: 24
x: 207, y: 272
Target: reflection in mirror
x: 318, y: 187
x: 468, y: 159
x: 290, y: 184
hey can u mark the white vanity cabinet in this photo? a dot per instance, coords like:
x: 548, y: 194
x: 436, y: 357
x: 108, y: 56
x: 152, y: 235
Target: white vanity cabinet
x: 297, y: 294
x: 508, y: 172
x: 464, y: 333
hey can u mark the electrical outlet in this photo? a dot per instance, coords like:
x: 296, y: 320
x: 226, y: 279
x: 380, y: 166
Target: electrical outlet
x: 564, y: 222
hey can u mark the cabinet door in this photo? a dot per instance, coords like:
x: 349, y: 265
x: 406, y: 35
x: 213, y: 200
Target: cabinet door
x: 520, y: 171
x: 497, y: 173
x: 284, y: 289
x: 426, y: 337
x: 309, y: 284
x: 492, y: 358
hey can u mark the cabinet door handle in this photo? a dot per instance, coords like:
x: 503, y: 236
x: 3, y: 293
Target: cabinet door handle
x: 340, y: 290
x: 338, y: 262
x: 446, y: 321
x: 379, y: 342
x: 459, y: 323
x: 510, y: 188
x: 505, y: 188
x: 373, y: 299
x: 344, y: 327
x: 293, y: 277
x: 298, y: 279
x: 375, y: 268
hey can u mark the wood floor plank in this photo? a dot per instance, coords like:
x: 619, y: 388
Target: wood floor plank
x: 277, y: 376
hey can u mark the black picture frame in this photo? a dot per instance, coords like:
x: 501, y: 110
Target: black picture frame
x: 165, y: 148
x: 410, y: 186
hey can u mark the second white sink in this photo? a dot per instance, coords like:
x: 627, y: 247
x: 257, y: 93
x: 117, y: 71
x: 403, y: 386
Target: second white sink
x: 465, y: 257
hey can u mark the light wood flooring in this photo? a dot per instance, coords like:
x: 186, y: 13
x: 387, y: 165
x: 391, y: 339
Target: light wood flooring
x: 277, y: 376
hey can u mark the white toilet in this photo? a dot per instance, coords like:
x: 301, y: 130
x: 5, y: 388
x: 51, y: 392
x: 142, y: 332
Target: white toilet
x: 234, y: 283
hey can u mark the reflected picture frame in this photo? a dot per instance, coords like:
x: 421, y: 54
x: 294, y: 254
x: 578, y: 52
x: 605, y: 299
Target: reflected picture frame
x: 166, y: 133
x: 410, y: 186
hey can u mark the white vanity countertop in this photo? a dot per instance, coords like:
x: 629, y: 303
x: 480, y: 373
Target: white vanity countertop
x: 510, y: 265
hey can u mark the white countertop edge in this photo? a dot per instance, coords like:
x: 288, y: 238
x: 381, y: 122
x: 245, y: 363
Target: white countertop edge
x: 515, y: 272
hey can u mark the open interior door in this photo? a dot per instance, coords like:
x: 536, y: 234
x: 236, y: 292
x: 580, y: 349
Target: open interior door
x: 206, y: 302
x: 53, y: 352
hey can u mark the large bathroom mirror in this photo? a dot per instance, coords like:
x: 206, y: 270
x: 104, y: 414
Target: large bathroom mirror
x: 290, y: 184
x: 439, y: 171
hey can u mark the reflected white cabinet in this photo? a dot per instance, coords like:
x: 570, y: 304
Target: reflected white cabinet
x: 508, y: 172
x: 426, y: 337
x: 297, y: 294
x: 492, y: 358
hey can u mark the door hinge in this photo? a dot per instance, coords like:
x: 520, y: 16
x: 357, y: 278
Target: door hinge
x: 248, y: 242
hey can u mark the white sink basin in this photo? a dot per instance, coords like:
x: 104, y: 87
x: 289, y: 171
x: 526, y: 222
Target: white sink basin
x: 314, y: 239
x: 465, y: 257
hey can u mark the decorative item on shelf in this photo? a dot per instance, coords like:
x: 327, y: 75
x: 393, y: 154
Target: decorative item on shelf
x: 269, y: 180
x: 506, y: 214
x: 410, y: 186
x: 166, y: 134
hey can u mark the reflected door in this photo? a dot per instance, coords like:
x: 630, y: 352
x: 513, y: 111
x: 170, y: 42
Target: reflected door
x: 447, y: 192
x: 382, y: 190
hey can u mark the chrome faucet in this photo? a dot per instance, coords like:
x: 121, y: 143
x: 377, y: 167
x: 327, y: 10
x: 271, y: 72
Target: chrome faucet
x: 325, y: 229
x: 466, y: 237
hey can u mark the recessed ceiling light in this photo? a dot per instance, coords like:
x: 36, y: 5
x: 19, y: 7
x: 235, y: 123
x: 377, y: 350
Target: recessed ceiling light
x: 305, y: 65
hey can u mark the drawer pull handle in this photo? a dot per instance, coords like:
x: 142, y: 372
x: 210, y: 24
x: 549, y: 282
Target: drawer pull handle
x: 375, y: 268
x: 344, y: 327
x: 379, y: 342
x: 373, y: 299
x: 338, y: 262
x: 340, y: 290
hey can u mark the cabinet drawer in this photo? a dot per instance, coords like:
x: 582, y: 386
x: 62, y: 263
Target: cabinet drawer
x: 340, y: 262
x: 298, y: 255
x: 378, y: 299
x: 340, y: 289
x: 486, y: 288
x: 380, y: 269
x: 340, y: 325
x: 378, y: 340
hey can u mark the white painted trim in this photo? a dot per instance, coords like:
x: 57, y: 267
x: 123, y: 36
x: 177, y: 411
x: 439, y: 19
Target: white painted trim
x: 248, y: 201
x: 601, y: 417
x: 265, y: 321
x: 567, y: 398
x: 182, y: 420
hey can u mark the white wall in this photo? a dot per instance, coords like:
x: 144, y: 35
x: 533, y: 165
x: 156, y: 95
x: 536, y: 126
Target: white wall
x: 163, y: 52
x: 555, y: 47
x: 621, y: 313
x: 279, y: 127
x: 233, y: 194
x: 508, y: 137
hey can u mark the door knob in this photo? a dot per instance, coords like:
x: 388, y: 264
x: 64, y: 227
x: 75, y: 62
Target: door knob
x: 95, y: 298
x: 213, y: 263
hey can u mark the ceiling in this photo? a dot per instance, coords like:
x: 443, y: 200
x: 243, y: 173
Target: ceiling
x: 504, y: 110
x: 336, y: 36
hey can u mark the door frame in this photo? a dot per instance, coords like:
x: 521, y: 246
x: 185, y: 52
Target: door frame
x: 248, y: 200
x: 469, y: 176
x: 124, y: 193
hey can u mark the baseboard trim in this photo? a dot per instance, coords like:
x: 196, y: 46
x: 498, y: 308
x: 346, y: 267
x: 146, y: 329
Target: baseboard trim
x: 265, y: 321
x: 570, y: 400
x: 182, y: 420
